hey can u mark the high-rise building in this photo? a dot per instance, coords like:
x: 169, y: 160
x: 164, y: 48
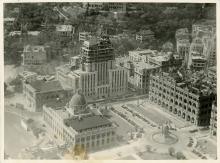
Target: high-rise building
x: 98, y: 75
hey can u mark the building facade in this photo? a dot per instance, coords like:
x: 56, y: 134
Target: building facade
x: 140, y: 55
x: 34, y: 55
x: 83, y: 36
x: 165, y: 61
x: 141, y: 78
x: 113, y: 6
x: 183, y: 47
x: 145, y: 35
x: 191, y: 105
x: 65, y: 31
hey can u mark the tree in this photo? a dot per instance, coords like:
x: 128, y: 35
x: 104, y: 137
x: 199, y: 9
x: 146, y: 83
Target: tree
x: 17, y: 82
x: 180, y: 156
x: 149, y: 148
x: 171, y: 151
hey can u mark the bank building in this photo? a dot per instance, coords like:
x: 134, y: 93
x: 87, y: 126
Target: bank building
x: 81, y: 125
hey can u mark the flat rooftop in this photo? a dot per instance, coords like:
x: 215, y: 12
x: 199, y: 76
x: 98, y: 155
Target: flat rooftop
x: 92, y: 121
x: 64, y: 28
x: 46, y: 86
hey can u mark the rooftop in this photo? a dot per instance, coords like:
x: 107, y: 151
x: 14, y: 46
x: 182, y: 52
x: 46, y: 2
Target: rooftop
x: 146, y: 32
x: 64, y: 28
x: 9, y: 19
x: 198, y: 57
x: 142, y: 51
x: 27, y: 73
x: 34, y: 48
x: 64, y: 68
x: 92, y: 121
x: 42, y: 86
x: 142, y: 65
x: 213, y: 68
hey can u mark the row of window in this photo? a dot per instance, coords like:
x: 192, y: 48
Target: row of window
x: 98, y: 136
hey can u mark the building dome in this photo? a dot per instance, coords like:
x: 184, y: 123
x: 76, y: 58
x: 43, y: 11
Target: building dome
x: 78, y: 99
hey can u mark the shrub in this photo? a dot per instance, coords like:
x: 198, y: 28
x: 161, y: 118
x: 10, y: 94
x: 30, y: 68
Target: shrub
x: 171, y: 151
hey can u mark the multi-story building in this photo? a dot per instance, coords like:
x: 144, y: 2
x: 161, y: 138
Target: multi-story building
x: 83, y: 36
x: 191, y: 102
x: 205, y: 27
x: 145, y: 35
x: 213, y: 120
x: 34, y: 55
x: 166, y: 61
x: 141, y: 78
x: 183, y: 47
x: 65, y: 31
x: 182, y: 34
x: 198, y: 63
x: 28, y: 76
x: 140, y: 55
x: 212, y: 73
x: 9, y: 21
x: 98, y: 75
x: 196, y: 47
x: 209, y: 50
x: 112, y: 6
x: 39, y: 92
x: 76, y: 125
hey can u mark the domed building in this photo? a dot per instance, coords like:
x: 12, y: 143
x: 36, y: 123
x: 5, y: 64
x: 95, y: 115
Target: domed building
x: 76, y: 124
x: 78, y: 104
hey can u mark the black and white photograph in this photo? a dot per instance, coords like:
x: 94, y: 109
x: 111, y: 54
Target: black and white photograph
x: 110, y: 80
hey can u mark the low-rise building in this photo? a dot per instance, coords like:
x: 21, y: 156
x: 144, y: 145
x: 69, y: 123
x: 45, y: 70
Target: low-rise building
x: 212, y: 73
x: 140, y: 55
x: 182, y: 34
x: 34, y: 55
x: 183, y: 47
x: 190, y: 102
x: 165, y: 61
x: 75, y: 124
x: 9, y: 21
x: 112, y: 6
x: 141, y: 78
x: 83, y: 36
x: 28, y: 76
x: 209, y: 50
x: 65, y: 31
x: 206, y: 26
x: 39, y: 92
x: 198, y: 63
x: 145, y: 35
